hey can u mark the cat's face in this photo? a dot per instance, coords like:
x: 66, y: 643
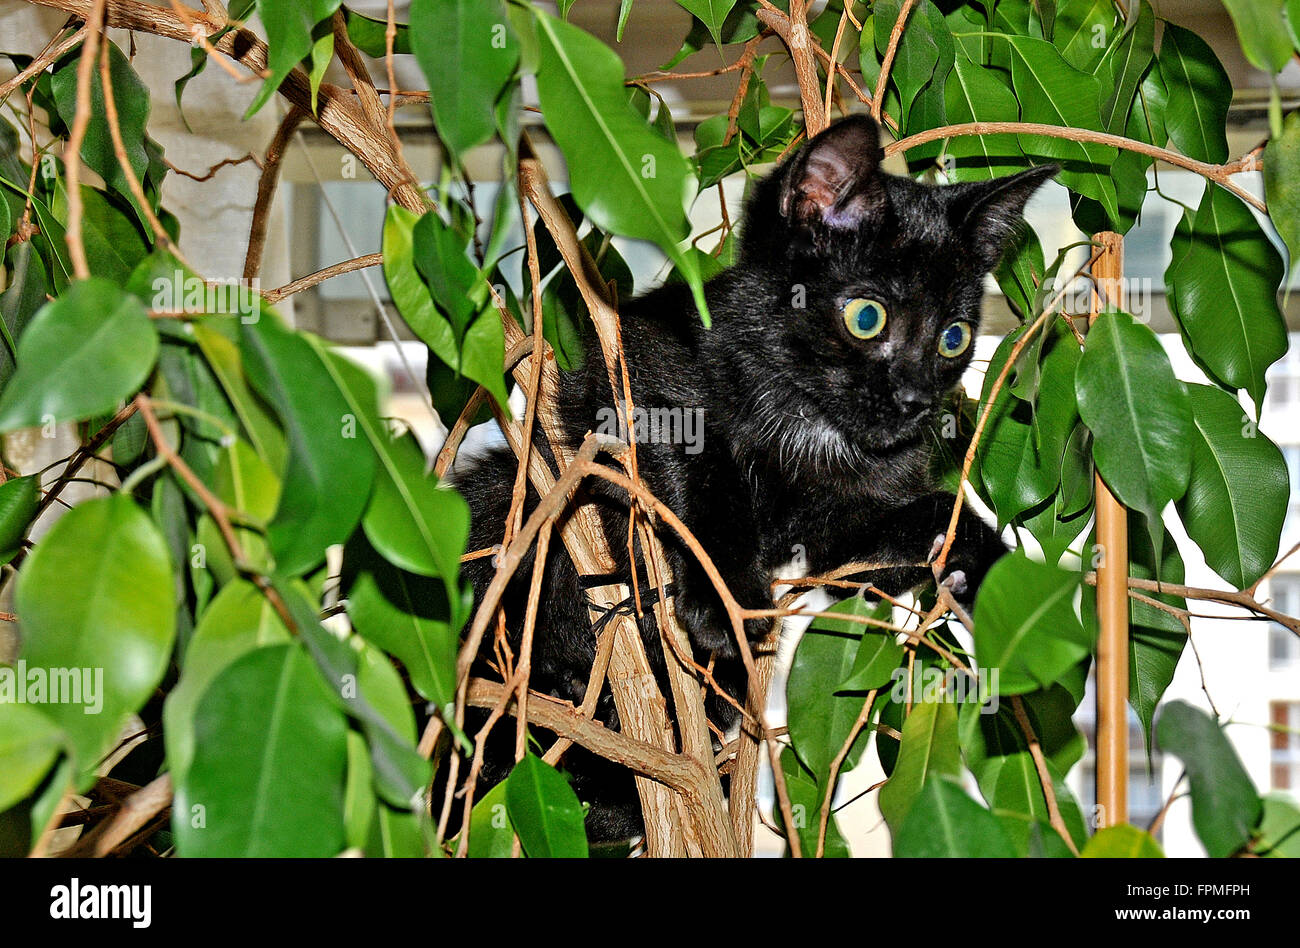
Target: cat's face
x: 882, y: 279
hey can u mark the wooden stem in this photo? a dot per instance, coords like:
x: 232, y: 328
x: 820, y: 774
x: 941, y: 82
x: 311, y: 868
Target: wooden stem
x: 1112, y: 591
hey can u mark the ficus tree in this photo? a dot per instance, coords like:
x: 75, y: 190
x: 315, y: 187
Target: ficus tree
x: 192, y: 601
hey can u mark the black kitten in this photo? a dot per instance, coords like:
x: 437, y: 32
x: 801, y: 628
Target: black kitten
x: 801, y: 423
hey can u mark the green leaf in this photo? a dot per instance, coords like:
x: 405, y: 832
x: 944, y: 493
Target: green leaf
x: 330, y: 469
x: 1156, y: 638
x: 1226, y: 809
x: 80, y: 356
x: 806, y: 799
x: 623, y: 174
x: 929, y: 747
x: 925, y: 50
x: 545, y: 811
x: 1025, y: 624
x: 113, y: 242
x: 1282, y: 184
x: 1053, y: 92
x: 1083, y: 30
x: 1124, y: 64
x: 1122, y: 842
x: 467, y: 52
x: 1197, y: 95
x: 1261, y: 27
x: 1222, y: 283
x: 491, y: 835
x: 239, y: 620
x: 368, y: 35
x: 269, y: 764
x: 1279, y: 827
x: 23, y: 297
x: 359, y: 795
x: 1020, y: 454
x: 290, y: 25
x: 130, y: 96
x: 29, y: 744
x: 410, y: 617
x: 878, y: 653
x: 221, y: 351
x: 1138, y: 413
x: 18, y: 500
x: 412, y: 522
x: 96, y: 608
x: 1021, y: 271
x: 973, y: 93
x: 712, y: 13
x: 945, y: 822
x: 1237, y: 496
x: 820, y: 718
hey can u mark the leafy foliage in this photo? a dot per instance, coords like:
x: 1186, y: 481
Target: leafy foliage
x: 205, y: 589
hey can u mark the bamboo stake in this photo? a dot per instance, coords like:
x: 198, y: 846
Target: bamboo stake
x: 1112, y: 590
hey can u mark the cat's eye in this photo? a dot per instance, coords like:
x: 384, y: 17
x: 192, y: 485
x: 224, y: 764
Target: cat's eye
x: 865, y: 318
x: 955, y: 339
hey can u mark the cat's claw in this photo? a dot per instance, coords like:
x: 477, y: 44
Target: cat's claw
x: 955, y: 581
x: 936, y: 547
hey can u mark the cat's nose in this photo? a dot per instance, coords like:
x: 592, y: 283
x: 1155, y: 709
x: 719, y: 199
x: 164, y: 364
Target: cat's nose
x: 912, y: 401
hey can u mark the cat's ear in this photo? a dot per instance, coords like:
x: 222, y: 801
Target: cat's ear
x: 987, y: 213
x: 834, y: 180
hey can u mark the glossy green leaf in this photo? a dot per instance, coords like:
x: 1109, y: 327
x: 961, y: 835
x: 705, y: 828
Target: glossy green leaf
x: 289, y: 26
x: 359, y: 795
x: 973, y: 93
x: 270, y: 759
x: 820, y: 719
x: 806, y: 799
x: 712, y: 13
x: 130, y: 96
x: 1261, y: 27
x: 1282, y: 184
x: 491, y: 834
x: 929, y: 747
x: 1083, y: 31
x: 1138, y: 413
x: 625, y: 176
x: 545, y: 811
x: 221, y: 352
x: 18, y: 500
x: 80, y: 356
x: 878, y: 652
x: 95, y: 601
x: 330, y: 469
x: 1237, y: 497
x: 368, y: 35
x: 925, y: 50
x: 1197, y: 94
x: 1222, y: 284
x: 945, y: 822
x: 22, y: 298
x: 239, y: 620
x: 29, y: 744
x: 1124, y: 64
x: 467, y: 52
x: 1226, y: 809
x: 1122, y: 842
x: 1053, y: 92
x: 1156, y: 638
x: 408, y: 616
x: 415, y: 524
x: 1026, y: 628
